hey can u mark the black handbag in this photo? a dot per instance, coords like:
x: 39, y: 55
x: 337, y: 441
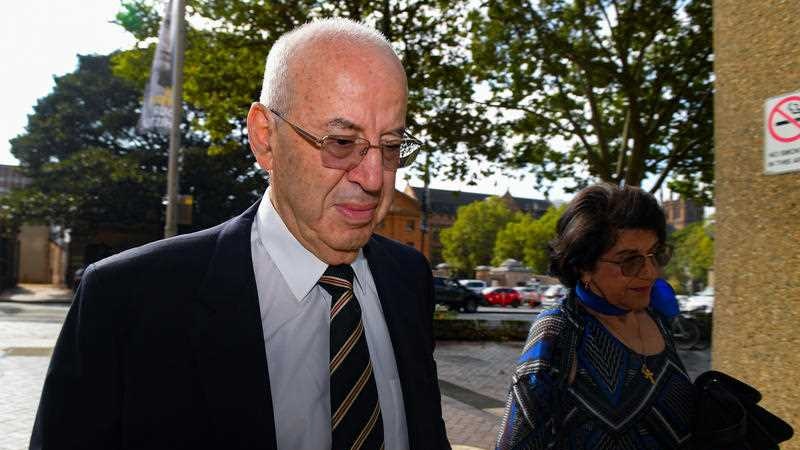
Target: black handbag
x: 728, y: 416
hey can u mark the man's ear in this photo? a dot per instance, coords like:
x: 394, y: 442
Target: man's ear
x: 259, y: 131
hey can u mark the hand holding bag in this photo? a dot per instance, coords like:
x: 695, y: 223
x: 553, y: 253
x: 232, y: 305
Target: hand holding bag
x: 729, y: 418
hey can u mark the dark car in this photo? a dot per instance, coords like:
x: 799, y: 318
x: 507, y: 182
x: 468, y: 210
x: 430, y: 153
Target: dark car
x: 455, y: 296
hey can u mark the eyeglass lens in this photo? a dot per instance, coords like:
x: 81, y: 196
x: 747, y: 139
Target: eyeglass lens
x: 633, y: 265
x: 341, y: 152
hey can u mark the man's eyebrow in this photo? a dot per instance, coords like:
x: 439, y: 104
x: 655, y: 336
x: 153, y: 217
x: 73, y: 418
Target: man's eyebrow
x: 343, y: 124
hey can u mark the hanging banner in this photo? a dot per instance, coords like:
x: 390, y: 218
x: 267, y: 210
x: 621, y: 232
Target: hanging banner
x: 157, y: 107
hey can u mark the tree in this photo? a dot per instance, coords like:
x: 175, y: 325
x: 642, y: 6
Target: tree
x: 693, y: 257
x: 224, y: 64
x: 469, y: 242
x: 628, y: 86
x: 91, y: 169
x: 527, y: 239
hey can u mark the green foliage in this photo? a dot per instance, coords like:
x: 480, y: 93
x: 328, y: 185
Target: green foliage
x: 693, y: 257
x: 627, y: 85
x: 33, y: 206
x: 91, y: 169
x: 470, y: 241
x: 139, y: 17
x: 526, y: 240
x: 87, y: 108
x: 224, y: 65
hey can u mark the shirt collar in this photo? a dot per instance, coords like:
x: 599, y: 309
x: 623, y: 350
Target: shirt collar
x: 299, y: 267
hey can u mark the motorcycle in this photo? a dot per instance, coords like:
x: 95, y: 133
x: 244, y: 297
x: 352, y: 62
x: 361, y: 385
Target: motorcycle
x: 689, y: 332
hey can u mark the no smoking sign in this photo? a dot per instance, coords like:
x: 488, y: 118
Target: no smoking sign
x: 782, y: 134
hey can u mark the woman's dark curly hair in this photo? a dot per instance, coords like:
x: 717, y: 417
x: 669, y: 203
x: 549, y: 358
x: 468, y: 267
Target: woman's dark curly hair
x: 591, y: 223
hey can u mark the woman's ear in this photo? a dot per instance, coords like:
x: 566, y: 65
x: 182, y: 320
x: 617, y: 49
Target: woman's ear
x: 586, y: 278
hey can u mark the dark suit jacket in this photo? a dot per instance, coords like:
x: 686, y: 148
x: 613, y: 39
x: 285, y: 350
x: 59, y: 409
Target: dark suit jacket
x: 163, y: 348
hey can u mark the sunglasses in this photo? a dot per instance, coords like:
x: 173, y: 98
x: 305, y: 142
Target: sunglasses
x: 632, y: 265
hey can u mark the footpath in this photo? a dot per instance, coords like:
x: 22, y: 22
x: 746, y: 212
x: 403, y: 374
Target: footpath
x: 473, y: 375
x: 37, y: 293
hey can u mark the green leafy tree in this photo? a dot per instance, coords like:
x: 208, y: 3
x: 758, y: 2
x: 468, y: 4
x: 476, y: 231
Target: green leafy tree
x: 224, y: 64
x: 91, y: 168
x: 526, y: 240
x: 469, y: 242
x: 627, y: 86
x: 693, y: 257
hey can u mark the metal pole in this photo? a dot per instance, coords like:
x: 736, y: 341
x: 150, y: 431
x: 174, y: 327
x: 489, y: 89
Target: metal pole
x: 171, y: 223
x: 426, y: 177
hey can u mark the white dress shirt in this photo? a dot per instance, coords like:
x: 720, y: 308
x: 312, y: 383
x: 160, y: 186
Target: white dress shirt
x: 295, y: 315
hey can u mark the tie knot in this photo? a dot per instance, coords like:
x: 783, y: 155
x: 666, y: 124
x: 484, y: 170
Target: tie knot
x: 340, y: 276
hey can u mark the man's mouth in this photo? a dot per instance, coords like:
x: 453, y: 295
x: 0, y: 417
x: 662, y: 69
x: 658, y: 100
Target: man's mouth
x: 357, y: 213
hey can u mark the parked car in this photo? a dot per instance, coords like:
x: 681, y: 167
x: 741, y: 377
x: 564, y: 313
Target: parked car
x: 455, y: 296
x: 529, y: 294
x: 553, y: 294
x: 702, y: 301
x: 499, y: 295
x: 476, y: 286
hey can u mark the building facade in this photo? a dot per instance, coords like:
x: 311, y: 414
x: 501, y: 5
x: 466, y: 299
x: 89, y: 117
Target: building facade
x: 757, y: 219
x: 403, y: 223
x: 682, y: 212
x: 443, y: 205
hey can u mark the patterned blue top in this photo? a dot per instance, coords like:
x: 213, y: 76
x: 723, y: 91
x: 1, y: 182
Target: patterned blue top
x: 611, y: 404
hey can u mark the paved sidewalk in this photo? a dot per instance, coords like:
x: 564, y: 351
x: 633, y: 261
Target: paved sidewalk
x: 473, y: 378
x: 36, y: 293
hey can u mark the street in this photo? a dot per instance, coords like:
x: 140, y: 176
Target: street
x: 473, y: 376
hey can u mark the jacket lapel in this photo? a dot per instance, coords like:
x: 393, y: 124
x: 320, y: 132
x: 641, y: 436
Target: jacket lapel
x: 229, y: 344
x: 400, y: 305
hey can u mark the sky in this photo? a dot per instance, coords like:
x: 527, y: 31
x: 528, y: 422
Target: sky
x: 39, y: 39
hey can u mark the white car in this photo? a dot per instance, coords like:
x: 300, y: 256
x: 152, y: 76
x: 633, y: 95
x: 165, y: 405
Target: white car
x: 553, y: 294
x: 702, y: 301
x: 476, y: 286
x: 529, y: 294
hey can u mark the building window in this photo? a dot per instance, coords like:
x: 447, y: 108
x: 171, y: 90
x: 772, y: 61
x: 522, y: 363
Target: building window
x: 410, y: 225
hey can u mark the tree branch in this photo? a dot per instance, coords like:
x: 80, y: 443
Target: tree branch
x: 675, y: 157
x: 623, y: 151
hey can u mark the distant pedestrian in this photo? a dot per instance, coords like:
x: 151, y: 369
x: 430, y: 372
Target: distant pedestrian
x: 600, y: 369
x: 291, y: 326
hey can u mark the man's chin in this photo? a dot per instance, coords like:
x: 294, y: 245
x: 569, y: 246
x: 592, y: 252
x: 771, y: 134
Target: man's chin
x: 349, y: 240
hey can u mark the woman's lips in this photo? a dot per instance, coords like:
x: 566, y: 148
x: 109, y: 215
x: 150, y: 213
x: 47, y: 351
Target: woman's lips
x: 357, y: 213
x: 640, y: 289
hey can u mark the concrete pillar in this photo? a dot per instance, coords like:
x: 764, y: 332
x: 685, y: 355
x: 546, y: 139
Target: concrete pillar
x: 757, y: 257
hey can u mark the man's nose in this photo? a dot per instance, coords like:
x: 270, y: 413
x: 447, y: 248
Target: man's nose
x: 369, y: 172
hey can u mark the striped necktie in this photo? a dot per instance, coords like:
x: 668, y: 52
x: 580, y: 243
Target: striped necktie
x: 356, y: 421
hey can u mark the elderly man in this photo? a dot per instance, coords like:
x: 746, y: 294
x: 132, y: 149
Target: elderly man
x: 291, y: 326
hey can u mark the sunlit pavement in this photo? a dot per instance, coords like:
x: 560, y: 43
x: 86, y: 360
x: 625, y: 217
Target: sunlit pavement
x: 473, y: 377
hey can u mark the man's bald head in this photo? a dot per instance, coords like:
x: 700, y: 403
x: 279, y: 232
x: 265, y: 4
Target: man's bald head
x: 301, y: 50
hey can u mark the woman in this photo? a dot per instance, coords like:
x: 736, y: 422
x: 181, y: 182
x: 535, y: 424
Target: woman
x: 600, y: 370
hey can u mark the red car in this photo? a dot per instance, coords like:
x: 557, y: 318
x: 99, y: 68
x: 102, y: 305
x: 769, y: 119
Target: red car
x: 502, y: 296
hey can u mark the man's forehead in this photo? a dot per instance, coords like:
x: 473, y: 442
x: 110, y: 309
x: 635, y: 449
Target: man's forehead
x: 342, y: 123
x: 318, y: 54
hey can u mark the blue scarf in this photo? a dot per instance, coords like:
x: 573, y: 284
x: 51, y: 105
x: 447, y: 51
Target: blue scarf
x: 662, y: 299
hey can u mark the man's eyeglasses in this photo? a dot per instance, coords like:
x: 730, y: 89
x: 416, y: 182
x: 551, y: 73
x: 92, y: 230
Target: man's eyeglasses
x: 632, y: 265
x: 346, y: 152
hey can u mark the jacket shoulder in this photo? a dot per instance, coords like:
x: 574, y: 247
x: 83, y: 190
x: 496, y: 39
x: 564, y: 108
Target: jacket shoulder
x: 545, y: 339
x: 173, y: 255
x: 404, y: 254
